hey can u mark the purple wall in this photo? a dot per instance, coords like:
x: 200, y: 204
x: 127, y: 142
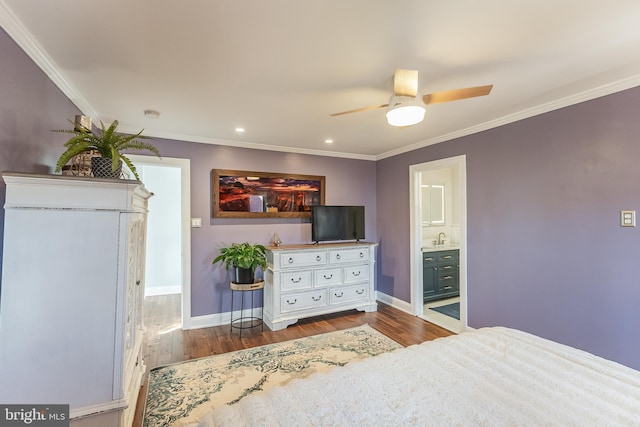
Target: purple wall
x: 546, y: 253
x: 348, y: 182
x: 30, y: 106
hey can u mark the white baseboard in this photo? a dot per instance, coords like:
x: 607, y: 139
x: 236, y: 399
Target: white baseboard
x: 118, y: 404
x: 394, y: 302
x: 406, y: 307
x: 218, y: 319
x: 152, y: 291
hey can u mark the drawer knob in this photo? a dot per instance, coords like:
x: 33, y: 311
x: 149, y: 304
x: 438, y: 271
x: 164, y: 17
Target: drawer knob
x: 318, y: 258
x: 328, y: 277
x: 292, y: 302
x: 290, y: 260
x: 447, y: 278
x: 337, y: 256
x: 361, y: 254
x: 447, y: 287
x: 447, y: 257
x: 359, y: 291
x: 338, y: 296
x: 356, y: 274
x: 447, y: 267
x: 296, y: 281
x: 317, y: 299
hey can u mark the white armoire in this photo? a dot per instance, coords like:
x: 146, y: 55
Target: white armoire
x: 72, y: 293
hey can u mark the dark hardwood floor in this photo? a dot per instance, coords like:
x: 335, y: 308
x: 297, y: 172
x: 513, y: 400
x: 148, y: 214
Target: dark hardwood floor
x: 166, y: 343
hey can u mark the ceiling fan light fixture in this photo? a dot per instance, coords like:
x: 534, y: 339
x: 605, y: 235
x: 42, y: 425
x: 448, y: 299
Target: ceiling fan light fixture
x: 405, y: 111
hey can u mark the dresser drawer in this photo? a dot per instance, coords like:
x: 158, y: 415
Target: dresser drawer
x: 450, y: 267
x: 429, y: 259
x: 303, y: 259
x: 327, y: 276
x: 296, y: 280
x: 348, y: 294
x: 356, y: 273
x: 303, y: 300
x: 311, y: 280
x: 447, y: 257
x: 337, y: 256
x: 447, y: 282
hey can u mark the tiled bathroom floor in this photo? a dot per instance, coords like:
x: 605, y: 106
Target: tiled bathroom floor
x: 441, y: 319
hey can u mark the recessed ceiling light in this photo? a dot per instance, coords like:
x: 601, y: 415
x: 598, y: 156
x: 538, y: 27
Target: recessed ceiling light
x: 328, y: 141
x: 151, y: 114
x: 239, y: 130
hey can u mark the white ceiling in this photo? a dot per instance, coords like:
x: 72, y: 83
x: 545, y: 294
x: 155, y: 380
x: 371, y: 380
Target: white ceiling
x: 278, y: 68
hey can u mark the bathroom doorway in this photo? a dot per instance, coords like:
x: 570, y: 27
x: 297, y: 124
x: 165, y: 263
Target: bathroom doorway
x: 438, y: 228
x: 168, y: 260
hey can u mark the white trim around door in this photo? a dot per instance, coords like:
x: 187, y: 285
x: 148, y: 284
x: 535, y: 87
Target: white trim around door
x: 415, y: 171
x: 185, y: 175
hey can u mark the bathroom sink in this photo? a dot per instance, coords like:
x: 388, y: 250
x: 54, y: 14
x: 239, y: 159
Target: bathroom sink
x: 439, y: 248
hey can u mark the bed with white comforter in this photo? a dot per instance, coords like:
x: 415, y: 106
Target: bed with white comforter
x: 487, y: 377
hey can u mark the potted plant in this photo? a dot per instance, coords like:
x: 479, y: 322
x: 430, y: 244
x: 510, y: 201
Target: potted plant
x: 244, y: 258
x: 109, y: 144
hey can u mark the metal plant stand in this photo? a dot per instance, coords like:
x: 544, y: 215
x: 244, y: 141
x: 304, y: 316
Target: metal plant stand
x: 252, y: 321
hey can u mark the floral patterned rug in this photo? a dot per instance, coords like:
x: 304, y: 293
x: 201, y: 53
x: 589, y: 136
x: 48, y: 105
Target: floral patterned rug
x: 181, y: 394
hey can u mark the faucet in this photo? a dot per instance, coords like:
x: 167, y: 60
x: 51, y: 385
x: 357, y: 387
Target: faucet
x: 441, y: 235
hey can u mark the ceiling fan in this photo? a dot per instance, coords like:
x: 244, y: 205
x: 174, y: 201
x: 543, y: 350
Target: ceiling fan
x: 405, y: 109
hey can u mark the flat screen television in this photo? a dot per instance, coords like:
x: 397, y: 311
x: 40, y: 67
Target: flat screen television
x: 337, y: 223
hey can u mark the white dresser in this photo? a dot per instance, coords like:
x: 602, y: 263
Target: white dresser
x: 309, y: 280
x: 72, y: 294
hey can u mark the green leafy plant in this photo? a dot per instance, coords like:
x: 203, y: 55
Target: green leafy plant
x: 108, y: 143
x: 242, y: 255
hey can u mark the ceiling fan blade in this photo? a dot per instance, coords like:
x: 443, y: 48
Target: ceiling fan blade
x: 456, y: 94
x: 358, y: 110
x: 405, y: 82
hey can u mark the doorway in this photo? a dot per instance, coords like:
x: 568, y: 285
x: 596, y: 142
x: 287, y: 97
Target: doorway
x: 442, y: 214
x: 168, y: 263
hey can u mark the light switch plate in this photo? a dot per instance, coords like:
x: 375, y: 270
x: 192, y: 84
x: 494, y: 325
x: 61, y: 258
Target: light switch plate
x: 196, y: 222
x: 627, y: 218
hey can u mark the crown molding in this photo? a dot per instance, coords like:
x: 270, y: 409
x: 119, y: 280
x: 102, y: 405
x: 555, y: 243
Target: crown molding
x: 10, y: 23
x: 251, y: 145
x: 587, y: 95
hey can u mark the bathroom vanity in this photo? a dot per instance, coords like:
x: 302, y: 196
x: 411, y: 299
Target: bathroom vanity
x: 440, y: 273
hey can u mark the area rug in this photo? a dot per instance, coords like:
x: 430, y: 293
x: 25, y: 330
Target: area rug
x: 181, y: 394
x: 451, y: 310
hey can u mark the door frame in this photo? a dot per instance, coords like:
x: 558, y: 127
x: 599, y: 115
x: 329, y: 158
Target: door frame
x: 185, y: 178
x: 415, y: 240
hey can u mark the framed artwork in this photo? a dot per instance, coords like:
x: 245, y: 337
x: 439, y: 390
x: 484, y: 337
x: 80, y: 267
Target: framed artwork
x: 248, y: 194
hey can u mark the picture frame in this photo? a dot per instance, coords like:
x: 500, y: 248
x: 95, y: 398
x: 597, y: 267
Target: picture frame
x: 250, y: 194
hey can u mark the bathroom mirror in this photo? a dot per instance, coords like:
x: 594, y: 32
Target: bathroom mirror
x: 432, y: 204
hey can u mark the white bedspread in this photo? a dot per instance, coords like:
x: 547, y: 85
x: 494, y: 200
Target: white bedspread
x: 487, y: 377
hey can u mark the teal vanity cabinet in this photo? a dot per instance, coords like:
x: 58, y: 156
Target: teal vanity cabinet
x: 440, y: 274
x: 429, y: 276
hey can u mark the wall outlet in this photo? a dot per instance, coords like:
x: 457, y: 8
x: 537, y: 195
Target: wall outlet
x: 627, y: 218
x: 196, y: 222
